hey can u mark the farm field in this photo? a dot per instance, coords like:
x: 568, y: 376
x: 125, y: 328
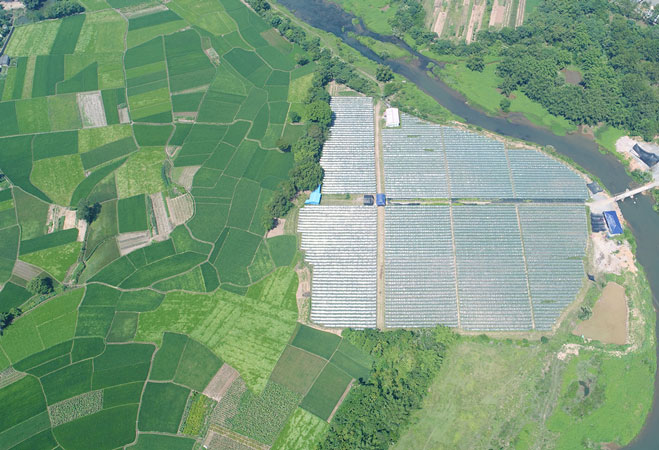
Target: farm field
x: 92, y: 114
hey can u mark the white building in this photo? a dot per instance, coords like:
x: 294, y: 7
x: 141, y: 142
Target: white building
x: 392, y: 117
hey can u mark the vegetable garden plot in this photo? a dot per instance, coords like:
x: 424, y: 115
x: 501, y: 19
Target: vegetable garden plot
x: 349, y: 154
x: 341, y: 244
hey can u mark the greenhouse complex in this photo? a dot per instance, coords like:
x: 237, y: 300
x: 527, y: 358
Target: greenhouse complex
x: 475, y: 235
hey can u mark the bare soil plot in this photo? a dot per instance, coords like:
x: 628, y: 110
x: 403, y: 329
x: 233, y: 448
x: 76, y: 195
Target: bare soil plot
x: 608, y: 323
x: 278, y: 230
x: 180, y: 208
x: 609, y: 257
x: 145, y: 11
x: 91, y: 109
x: 519, y: 20
x: 25, y: 271
x: 129, y: 242
x: 223, y: 439
x: 186, y: 176
x: 70, y: 219
x: 220, y: 382
x: 498, y: 15
x: 124, y: 117
x: 213, y: 56
x: 160, y: 212
x: 9, y: 376
x: 475, y: 21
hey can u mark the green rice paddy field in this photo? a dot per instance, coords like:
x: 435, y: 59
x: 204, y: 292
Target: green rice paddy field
x: 144, y: 315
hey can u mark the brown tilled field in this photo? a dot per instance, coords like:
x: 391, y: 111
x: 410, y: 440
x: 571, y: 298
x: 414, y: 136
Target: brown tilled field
x: 608, y: 324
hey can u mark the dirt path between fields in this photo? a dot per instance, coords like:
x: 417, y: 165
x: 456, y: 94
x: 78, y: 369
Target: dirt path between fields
x: 379, y: 179
x: 520, y: 13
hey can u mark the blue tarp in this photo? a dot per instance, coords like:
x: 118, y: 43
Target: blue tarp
x: 380, y: 199
x: 314, y: 198
x: 612, y: 222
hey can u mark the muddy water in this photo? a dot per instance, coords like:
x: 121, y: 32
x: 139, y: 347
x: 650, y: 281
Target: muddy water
x: 643, y: 221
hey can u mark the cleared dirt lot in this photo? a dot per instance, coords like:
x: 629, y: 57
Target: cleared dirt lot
x: 91, y: 109
x: 221, y: 381
x: 608, y: 323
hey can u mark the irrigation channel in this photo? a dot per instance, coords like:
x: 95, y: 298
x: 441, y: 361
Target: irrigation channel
x: 638, y: 212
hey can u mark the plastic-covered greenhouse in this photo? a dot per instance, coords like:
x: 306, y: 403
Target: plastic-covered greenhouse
x: 511, y: 265
x: 341, y: 244
x: 349, y: 154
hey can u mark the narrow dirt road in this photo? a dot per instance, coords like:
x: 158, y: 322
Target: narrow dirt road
x: 379, y: 179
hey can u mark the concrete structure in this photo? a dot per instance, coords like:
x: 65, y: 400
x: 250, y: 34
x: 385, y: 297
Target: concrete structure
x: 392, y: 117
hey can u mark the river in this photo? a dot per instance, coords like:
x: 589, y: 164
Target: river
x: 638, y: 212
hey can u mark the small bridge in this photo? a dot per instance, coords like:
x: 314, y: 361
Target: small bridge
x: 629, y: 193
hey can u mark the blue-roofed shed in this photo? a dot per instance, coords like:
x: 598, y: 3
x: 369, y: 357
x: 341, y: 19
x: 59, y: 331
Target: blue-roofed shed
x: 612, y: 222
x: 380, y: 199
x: 314, y: 198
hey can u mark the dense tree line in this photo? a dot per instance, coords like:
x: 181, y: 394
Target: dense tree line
x: 5, y: 25
x: 56, y: 10
x: 378, y: 410
x: 618, y: 58
x: 307, y: 173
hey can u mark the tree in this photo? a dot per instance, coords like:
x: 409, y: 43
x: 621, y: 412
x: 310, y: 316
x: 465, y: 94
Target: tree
x: 301, y: 59
x: 283, y: 145
x: 476, y: 63
x: 384, y: 74
x: 33, y: 4
x: 319, y: 112
x: 505, y: 104
x: 306, y: 149
x: 295, y: 117
x: 41, y: 285
x: 6, y: 318
x: 63, y: 8
x: 306, y: 176
x: 88, y: 211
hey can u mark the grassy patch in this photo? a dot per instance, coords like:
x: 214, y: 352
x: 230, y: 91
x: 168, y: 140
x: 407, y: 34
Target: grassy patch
x: 606, y: 136
x: 58, y: 177
x: 251, y: 341
x: 303, y: 431
x: 35, y: 39
x: 132, y: 214
x: 326, y: 391
x: 25, y: 398
x: 374, y: 13
x: 142, y: 173
x: 109, y: 428
x: 297, y: 369
x: 162, y: 407
x: 197, y: 366
x: 57, y: 260
x: 91, y: 138
x: 315, y: 341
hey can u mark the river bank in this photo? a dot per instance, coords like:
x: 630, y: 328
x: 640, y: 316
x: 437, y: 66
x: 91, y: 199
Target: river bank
x: 579, y: 148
